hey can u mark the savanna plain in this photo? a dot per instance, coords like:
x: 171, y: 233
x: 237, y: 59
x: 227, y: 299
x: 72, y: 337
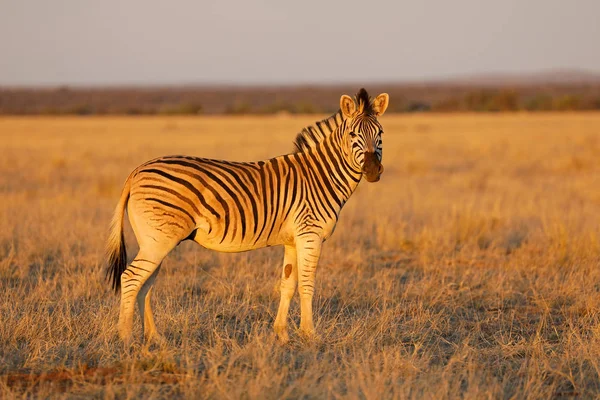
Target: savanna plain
x: 471, y: 270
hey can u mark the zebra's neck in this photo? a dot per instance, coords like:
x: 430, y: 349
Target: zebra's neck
x: 331, y: 163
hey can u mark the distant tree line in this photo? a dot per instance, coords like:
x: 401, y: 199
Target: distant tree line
x: 487, y: 100
x: 292, y: 99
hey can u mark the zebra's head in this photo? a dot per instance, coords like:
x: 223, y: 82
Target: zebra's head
x: 362, y: 132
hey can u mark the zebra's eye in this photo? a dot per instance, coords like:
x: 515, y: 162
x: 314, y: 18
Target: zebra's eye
x: 353, y: 135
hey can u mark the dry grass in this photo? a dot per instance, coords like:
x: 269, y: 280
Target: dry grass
x: 471, y: 270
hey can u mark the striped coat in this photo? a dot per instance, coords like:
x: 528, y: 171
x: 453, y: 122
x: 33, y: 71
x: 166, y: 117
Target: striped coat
x: 292, y: 200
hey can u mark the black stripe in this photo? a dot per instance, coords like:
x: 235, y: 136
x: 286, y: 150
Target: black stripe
x: 249, y: 196
x: 336, y: 181
x: 253, y: 181
x: 167, y: 204
x: 349, y: 171
x: 316, y: 184
x: 311, y: 189
x: 336, y: 161
x: 294, y: 184
x: 320, y: 128
x: 321, y: 161
x: 189, y: 186
x: 136, y: 267
x: 141, y: 259
x: 276, y: 193
x: 311, y: 133
x: 263, y: 184
x: 236, y: 200
x: 174, y: 193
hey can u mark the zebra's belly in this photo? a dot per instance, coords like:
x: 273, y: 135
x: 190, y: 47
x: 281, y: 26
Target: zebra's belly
x: 232, y: 247
x: 235, y: 246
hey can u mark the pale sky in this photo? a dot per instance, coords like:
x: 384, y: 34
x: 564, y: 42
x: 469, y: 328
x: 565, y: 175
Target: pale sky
x: 83, y: 42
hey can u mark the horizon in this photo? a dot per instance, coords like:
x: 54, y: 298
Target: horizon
x: 560, y: 76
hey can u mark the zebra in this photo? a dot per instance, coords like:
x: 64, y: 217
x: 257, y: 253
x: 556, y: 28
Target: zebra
x: 292, y: 200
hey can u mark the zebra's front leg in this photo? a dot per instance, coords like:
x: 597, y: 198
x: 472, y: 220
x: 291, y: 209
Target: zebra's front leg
x: 289, y: 279
x: 308, y: 248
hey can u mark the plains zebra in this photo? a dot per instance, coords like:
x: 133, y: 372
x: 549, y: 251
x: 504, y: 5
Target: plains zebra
x: 292, y: 200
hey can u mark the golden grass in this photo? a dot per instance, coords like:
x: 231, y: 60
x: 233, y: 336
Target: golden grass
x: 471, y: 269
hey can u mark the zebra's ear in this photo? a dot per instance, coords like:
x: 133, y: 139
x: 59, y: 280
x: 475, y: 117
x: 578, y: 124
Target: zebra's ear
x: 380, y: 104
x: 347, y: 106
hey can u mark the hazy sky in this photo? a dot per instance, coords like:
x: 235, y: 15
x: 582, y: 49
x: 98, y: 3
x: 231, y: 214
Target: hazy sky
x: 143, y: 41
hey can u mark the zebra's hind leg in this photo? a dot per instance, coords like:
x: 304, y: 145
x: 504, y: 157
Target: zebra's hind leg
x: 289, y: 279
x: 133, y: 279
x: 143, y: 299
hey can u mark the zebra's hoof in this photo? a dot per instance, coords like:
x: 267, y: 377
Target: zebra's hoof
x: 282, y: 334
x: 309, y: 335
x: 155, y: 338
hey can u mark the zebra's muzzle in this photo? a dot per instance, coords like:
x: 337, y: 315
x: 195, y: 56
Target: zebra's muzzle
x: 372, y: 168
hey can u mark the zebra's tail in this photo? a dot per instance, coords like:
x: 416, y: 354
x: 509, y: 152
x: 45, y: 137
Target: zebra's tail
x: 115, y: 249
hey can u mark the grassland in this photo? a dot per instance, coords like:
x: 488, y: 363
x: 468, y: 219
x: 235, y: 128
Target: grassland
x: 470, y: 270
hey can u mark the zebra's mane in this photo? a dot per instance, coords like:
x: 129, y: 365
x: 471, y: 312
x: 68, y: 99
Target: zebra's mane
x: 312, y: 135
